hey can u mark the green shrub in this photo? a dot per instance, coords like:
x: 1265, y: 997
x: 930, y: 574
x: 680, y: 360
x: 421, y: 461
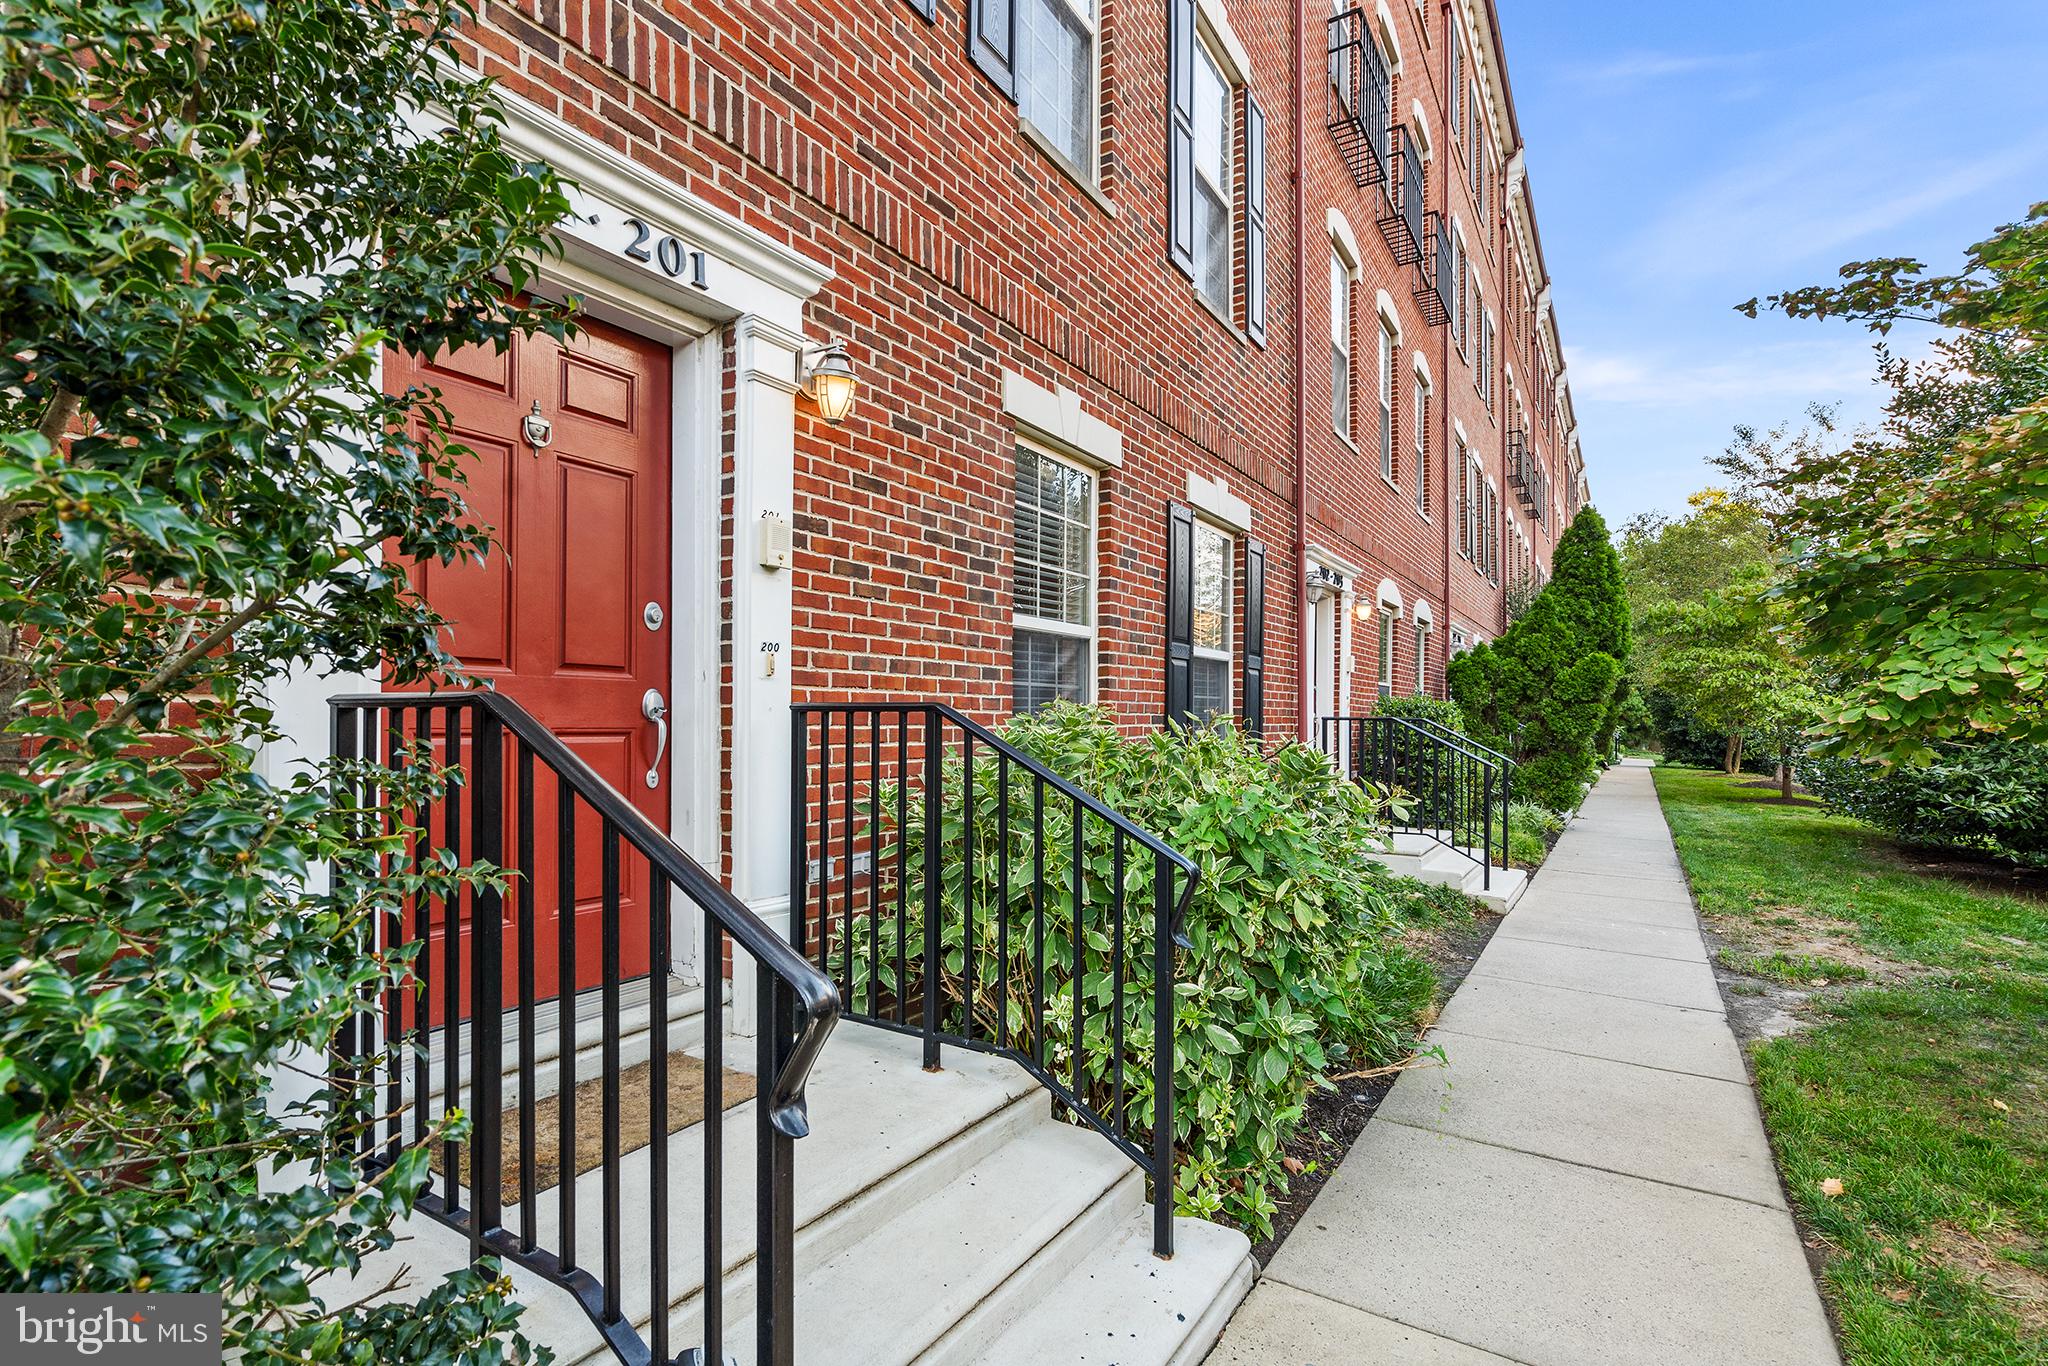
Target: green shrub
x: 1529, y: 828
x: 1549, y: 690
x: 1441, y: 710
x: 1296, y: 965
x: 1991, y: 795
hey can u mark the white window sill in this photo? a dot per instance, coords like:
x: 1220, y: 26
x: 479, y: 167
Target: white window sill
x: 1388, y: 482
x: 1051, y: 626
x: 1082, y: 180
x: 1219, y: 313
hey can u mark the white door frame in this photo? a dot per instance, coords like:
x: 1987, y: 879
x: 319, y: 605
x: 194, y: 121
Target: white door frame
x: 719, y: 272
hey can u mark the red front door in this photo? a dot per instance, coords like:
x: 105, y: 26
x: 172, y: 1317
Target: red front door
x: 557, y: 616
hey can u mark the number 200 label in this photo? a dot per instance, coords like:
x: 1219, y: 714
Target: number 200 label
x: 668, y: 254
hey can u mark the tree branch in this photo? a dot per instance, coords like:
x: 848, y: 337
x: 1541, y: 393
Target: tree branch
x: 170, y: 673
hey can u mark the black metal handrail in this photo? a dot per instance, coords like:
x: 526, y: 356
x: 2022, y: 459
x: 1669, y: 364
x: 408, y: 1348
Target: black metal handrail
x: 1360, y: 99
x: 478, y: 737
x: 1456, y: 790
x: 1400, y: 220
x: 915, y: 826
x: 1437, y: 282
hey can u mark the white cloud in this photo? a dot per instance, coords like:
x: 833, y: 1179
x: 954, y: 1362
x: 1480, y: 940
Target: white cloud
x: 1834, y: 175
x: 1763, y: 376
x: 1631, y: 69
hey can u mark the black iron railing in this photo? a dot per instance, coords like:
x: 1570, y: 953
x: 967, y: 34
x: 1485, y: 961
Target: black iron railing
x: 586, y: 858
x: 1437, y: 285
x: 1360, y: 99
x: 1055, y: 918
x: 1525, y: 473
x: 1401, y: 211
x: 1455, y: 790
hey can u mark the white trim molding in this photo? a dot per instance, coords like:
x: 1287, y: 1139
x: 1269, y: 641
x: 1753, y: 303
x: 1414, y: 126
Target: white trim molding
x: 1388, y: 595
x: 1214, y: 500
x: 1054, y: 417
x: 1345, y: 239
x: 1234, y: 56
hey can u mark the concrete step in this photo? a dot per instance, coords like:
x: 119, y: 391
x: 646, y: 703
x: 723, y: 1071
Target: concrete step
x: 938, y: 1216
x: 1120, y: 1304
x: 1509, y: 885
x: 685, y: 1031
x: 942, y: 1253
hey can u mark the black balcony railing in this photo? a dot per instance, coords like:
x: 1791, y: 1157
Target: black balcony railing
x: 1401, y: 210
x: 1454, y: 789
x: 580, y: 853
x: 1360, y: 100
x: 1525, y: 473
x: 1437, y: 284
x: 1055, y: 919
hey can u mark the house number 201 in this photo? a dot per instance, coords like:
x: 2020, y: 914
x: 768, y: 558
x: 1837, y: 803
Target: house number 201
x: 667, y: 253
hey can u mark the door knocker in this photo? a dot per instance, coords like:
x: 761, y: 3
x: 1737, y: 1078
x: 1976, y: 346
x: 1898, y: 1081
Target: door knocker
x: 539, y: 432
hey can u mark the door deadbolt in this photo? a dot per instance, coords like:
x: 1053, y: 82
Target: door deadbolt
x: 651, y: 614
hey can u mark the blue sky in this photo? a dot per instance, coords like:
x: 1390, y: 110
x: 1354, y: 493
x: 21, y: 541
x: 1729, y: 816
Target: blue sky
x: 1685, y: 157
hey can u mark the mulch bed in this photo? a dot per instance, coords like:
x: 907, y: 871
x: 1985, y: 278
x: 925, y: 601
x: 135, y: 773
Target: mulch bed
x: 1336, y: 1118
x: 636, y: 1122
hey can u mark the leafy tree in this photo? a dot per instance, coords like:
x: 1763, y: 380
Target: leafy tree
x: 1549, y: 690
x: 214, y: 218
x: 1733, y: 672
x: 1721, y: 541
x: 1916, y: 553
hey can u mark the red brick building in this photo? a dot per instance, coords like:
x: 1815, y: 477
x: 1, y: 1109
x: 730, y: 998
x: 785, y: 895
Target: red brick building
x: 1203, y: 350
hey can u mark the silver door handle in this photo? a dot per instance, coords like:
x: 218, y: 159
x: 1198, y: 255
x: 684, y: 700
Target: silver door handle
x: 656, y: 710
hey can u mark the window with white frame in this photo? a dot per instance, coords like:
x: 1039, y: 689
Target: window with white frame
x: 1214, y: 191
x: 1486, y: 362
x: 1053, y: 629
x: 1386, y: 378
x: 1421, y: 657
x: 1421, y: 425
x: 1340, y: 346
x: 1209, y: 670
x: 1056, y: 75
x: 1461, y: 298
x: 1386, y: 675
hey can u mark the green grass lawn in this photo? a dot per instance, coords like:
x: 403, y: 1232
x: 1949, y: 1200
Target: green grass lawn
x: 1920, y: 1083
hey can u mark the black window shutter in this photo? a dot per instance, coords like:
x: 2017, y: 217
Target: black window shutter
x: 992, y: 41
x: 1180, y: 613
x: 1180, y: 132
x: 1456, y: 79
x: 929, y: 9
x: 1254, y: 637
x: 1254, y: 220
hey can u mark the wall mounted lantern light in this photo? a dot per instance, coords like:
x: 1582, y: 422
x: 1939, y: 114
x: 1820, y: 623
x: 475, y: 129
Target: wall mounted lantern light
x: 826, y: 375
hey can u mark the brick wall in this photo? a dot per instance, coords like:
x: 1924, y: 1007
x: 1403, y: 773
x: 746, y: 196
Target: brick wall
x: 860, y: 134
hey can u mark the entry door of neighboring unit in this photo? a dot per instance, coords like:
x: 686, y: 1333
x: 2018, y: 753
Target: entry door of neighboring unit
x: 1323, y: 666
x: 557, y: 617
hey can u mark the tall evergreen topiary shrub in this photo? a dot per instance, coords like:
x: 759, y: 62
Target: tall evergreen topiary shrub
x: 1550, y: 689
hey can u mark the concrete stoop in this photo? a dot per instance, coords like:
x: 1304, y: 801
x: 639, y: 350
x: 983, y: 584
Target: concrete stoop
x: 942, y: 1219
x: 1423, y: 856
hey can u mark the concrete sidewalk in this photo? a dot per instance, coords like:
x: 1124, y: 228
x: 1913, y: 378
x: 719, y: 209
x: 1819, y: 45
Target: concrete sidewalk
x: 1587, y: 1182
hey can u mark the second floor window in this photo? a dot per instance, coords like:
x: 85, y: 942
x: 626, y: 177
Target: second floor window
x: 1386, y: 378
x: 1213, y: 189
x: 1056, y: 75
x: 1421, y: 425
x: 1340, y: 346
